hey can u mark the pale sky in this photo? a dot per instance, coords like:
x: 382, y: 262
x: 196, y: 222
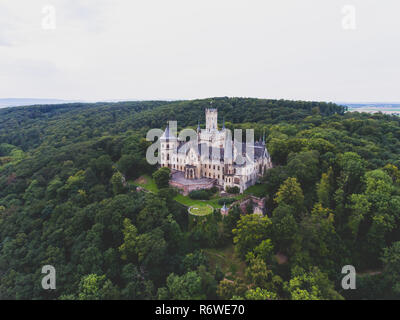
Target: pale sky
x: 186, y: 49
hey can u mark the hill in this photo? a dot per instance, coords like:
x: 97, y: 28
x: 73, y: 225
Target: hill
x: 333, y: 199
x: 14, y: 102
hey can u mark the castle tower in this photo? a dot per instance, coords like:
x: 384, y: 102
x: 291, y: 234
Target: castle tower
x: 169, y: 145
x: 211, y: 119
x: 224, y: 210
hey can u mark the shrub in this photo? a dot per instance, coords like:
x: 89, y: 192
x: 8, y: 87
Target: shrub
x: 161, y: 177
x: 233, y: 190
x: 226, y: 201
x: 214, y: 190
x: 200, y: 195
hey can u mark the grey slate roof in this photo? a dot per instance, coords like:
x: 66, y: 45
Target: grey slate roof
x: 215, y: 153
x: 168, y: 135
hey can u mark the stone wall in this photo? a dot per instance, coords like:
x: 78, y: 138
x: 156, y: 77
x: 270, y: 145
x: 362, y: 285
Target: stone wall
x: 258, y: 205
x: 187, y: 188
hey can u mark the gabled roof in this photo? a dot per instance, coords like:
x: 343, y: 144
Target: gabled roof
x: 216, y: 153
x: 167, y: 135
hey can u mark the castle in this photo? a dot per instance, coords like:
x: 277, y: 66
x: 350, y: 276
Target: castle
x: 213, y: 159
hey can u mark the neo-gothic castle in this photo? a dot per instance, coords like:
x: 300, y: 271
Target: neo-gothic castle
x: 213, y: 158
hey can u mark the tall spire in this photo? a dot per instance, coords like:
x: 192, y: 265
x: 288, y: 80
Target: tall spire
x: 168, y: 135
x: 198, y: 125
x: 223, y: 124
x: 167, y: 130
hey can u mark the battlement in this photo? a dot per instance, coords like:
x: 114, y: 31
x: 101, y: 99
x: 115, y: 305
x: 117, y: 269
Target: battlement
x: 211, y: 119
x: 211, y: 110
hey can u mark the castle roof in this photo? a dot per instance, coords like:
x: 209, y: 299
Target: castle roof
x: 167, y: 135
x: 216, y: 153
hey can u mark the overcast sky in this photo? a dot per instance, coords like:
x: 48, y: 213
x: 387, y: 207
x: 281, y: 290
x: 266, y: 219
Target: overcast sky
x: 184, y: 49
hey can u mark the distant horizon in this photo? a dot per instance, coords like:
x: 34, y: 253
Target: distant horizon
x: 66, y: 101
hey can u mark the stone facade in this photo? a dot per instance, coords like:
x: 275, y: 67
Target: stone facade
x: 178, y: 180
x: 257, y: 203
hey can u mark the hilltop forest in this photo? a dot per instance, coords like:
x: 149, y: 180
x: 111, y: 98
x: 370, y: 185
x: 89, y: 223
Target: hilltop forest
x: 333, y: 199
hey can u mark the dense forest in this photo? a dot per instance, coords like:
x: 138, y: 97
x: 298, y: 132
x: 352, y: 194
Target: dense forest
x: 333, y: 199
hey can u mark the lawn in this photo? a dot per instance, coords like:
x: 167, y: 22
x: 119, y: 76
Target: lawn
x: 258, y: 190
x: 148, y: 183
x: 188, y: 202
x: 201, y: 210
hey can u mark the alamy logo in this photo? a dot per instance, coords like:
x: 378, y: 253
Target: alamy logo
x: 349, y: 17
x: 234, y: 149
x: 49, y: 281
x: 49, y: 18
x: 349, y: 281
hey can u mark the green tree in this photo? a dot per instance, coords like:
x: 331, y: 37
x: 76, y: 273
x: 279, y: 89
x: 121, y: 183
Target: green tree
x: 128, y: 247
x: 250, y: 231
x: 391, y: 261
x: 185, y: 287
x: 284, y: 228
x: 263, y: 251
x: 102, y: 167
x: 227, y: 289
x: 117, y: 183
x: 132, y: 165
x: 291, y: 194
x: 325, y: 188
x: 95, y: 287
x: 258, y: 275
x: 305, y: 167
x: 311, y: 285
x: 161, y: 177
x: 260, y: 294
x: 393, y: 172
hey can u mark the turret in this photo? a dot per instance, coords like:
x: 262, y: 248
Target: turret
x: 211, y: 119
x: 224, y: 210
x: 169, y: 145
